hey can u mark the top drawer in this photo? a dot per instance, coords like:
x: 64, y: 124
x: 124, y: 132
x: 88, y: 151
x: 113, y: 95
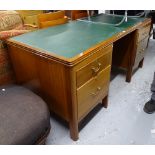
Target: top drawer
x: 92, y: 68
x: 143, y: 32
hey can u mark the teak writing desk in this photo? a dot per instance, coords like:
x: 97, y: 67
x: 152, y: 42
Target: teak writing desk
x: 69, y: 65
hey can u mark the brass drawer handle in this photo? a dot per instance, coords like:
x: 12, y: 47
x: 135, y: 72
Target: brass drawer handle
x: 142, y: 50
x: 98, y: 89
x: 96, y: 69
x: 93, y: 94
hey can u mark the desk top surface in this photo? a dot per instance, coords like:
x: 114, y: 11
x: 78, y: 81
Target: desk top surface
x: 72, y: 39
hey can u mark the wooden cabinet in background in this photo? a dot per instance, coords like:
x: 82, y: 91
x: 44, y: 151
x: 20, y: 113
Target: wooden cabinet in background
x: 30, y: 16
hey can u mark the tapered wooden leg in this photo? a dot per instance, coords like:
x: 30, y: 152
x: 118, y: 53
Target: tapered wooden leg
x: 105, y: 102
x: 74, y: 132
x: 129, y: 74
x: 141, y: 63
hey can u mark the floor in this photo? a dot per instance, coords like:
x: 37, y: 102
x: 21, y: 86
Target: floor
x: 124, y: 121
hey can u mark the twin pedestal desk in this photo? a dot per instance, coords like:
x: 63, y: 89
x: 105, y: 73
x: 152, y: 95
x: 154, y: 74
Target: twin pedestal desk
x: 69, y: 65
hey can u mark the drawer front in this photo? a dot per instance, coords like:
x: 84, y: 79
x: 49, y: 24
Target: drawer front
x: 93, y: 68
x: 143, y: 32
x: 141, y: 47
x: 92, y: 92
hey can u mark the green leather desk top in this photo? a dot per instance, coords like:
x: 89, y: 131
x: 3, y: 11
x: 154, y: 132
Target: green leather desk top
x: 71, y: 39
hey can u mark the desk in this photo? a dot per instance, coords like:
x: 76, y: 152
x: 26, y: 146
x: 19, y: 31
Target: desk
x: 69, y: 65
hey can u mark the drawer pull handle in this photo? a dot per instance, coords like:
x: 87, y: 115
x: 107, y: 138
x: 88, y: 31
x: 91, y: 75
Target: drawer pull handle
x: 96, y: 69
x: 94, y: 94
x: 98, y: 89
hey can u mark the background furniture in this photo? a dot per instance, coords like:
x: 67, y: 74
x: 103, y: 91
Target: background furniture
x: 70, y: 64
x: 76, y: 14
x: 52, y: 19
x: 11, y: 24
x: 30, y: 16
x: 130, y: 12
x: 8, y: 20
x: 152, y: 16
x: 24, y: 117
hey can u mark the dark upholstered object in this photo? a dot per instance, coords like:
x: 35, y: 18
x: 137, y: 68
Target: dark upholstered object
x: 24, y: 116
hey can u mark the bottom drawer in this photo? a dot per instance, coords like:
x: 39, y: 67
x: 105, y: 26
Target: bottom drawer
x: 92, y: 92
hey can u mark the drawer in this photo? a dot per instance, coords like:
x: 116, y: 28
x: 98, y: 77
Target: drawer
x: 143, y: 32
x: 139, y: 57
x: 141, y: 47
x: 90, y: 70
x: 92, y: 92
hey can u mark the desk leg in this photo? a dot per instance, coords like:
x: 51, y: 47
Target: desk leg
x: 129, y: 74
x: 74, y: 132
x: 105, y: 102
x: 73, y: 123
x: 141, y: 63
